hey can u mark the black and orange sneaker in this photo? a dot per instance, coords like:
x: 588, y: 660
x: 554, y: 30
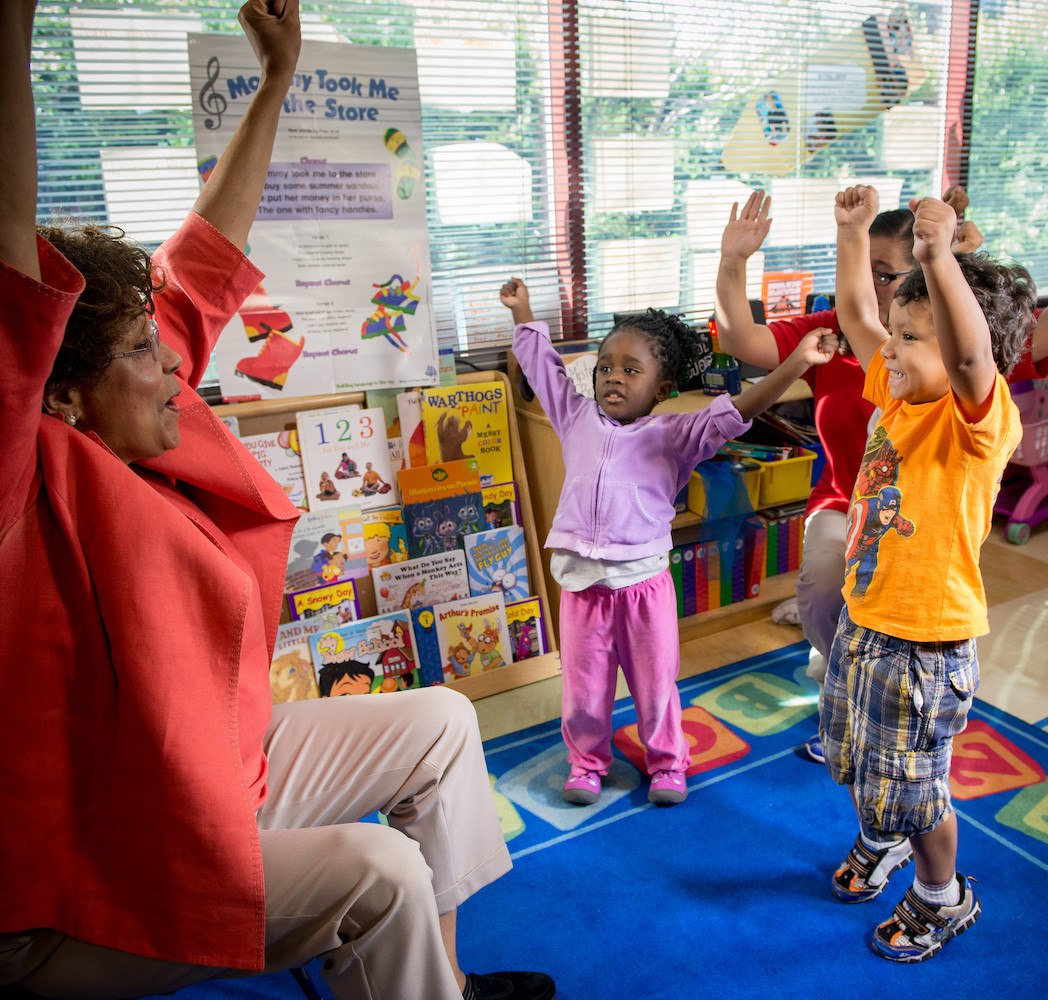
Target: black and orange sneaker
x: 864, y: 873
x: 918, y: 929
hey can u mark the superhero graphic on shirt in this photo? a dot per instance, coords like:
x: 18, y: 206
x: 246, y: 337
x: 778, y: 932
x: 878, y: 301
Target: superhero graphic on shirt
x: 874, y: 510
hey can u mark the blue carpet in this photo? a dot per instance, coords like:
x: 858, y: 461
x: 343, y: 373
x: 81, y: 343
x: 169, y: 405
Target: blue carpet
x: 727, y: 895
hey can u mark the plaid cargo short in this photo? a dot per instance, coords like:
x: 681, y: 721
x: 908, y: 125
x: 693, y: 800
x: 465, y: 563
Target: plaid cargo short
x: 890, y: 710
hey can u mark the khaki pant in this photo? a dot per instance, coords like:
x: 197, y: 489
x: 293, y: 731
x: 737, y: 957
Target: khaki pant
x: 363, y: 897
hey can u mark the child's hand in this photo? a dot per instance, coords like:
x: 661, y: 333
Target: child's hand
x: 743, y: 235
x: 855, y: 207
x: 934, y: 228
x: 514, y: 296
x: 817, y: 346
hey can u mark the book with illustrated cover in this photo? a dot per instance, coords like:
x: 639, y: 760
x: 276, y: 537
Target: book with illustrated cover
x: 291, y: 676
x: 345, y: 458
x: 442, y: 503
x: 469, y: 421
x: 386, y: 401
x: 427, y: 580
x: 472, y: 635
x: 374, y: 654
x: 326, y: 546
x: 496, y: 562
x: 527, y: 630
x: 414, y: 443
x: 427, y: 649
x: 385, y: 538
x: 501, y: 508
x: 278, y: 454
x: 339, y: 599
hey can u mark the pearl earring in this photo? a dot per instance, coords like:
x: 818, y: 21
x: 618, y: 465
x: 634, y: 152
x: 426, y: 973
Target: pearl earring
x: 70, y: 419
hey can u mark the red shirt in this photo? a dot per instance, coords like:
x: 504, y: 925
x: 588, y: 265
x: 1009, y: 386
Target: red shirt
x: 140, y: 610
x: 841, y: 413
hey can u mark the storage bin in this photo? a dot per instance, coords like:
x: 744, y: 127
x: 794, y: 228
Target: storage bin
x: 785, y: 480
x: 697, y: 488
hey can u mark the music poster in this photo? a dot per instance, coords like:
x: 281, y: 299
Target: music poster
x: 346, y: 303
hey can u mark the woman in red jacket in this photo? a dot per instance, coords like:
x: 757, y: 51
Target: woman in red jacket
x: 163, y: 823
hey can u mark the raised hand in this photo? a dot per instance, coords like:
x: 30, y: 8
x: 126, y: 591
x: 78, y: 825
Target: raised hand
x: 514, y: 296
x: 272, y: 27
x: 746, y: 230
x: 934, y: 228
x: 856, y: 207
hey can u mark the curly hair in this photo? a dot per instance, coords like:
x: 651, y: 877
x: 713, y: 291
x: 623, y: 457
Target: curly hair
x: 120, y: 282
x: 1006, y: 294
x: 673, y: 344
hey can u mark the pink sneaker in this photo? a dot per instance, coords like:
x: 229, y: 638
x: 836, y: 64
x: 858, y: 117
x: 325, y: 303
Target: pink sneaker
x: 582, y: 788
x: 668, y: 788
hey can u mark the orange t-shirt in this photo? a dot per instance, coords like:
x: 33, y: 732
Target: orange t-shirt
x: 920, y: 511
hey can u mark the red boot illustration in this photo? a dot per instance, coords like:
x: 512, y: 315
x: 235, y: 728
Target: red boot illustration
x: 271, y: 365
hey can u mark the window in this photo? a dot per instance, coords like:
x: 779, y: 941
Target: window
x: 595, y: 147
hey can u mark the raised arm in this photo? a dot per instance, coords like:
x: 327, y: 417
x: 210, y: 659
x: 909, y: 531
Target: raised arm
x: 737, y: 333
x: 960, y: 326
x: 229, y: 200
x: 856, y: 299
x: 18, y: 150
x: 817, y: 347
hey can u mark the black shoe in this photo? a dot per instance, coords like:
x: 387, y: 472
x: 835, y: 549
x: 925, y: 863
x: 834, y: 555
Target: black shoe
x: 509, y: 986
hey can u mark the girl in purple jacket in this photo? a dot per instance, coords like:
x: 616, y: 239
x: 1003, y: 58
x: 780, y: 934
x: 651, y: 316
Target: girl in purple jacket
x: 611, y: 534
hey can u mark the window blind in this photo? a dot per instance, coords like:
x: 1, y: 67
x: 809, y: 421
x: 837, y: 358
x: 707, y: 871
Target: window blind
x: 594, y: 147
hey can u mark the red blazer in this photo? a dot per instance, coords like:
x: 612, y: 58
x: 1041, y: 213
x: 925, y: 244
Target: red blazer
x: 133, y: 639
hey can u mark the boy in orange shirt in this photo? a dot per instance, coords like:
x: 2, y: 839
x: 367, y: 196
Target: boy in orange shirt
x: 903, y: 671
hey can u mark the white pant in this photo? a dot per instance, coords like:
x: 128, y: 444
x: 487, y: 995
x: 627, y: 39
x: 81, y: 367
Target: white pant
x: 820, y: 581
x: 364, y: 897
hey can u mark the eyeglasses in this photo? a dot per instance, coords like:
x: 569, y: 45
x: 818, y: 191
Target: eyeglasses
x: 887, y: 277
x: 154, y: 343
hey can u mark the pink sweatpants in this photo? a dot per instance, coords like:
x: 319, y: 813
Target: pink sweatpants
x: 636, y: 628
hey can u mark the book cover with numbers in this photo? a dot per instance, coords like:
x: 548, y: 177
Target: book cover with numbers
x: 345, y: 457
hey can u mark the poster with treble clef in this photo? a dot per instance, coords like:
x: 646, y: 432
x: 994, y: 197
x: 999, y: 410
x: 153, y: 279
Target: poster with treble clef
x: 340, y: 234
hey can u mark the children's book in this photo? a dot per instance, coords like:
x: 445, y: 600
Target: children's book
x: 496, y: 562
x: 427, y: 580
x: 326, y: 546
x: 469, y: 421
x: 414, y: 444
x: 374, y: 654
x: 527, y: 630
x: 385, y: 539
x: 339, y: 599
x: 424, y: 626
x: 345, y: 458
x: 279, y: 456
x: 501, y: 508
x: 472, y: 635
x: 442, y: 503
x: 386, y: 401
x: 291, y: 676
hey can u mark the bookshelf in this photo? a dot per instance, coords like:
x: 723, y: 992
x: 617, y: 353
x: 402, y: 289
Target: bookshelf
x: 545, y: 467
x: 271, y: 415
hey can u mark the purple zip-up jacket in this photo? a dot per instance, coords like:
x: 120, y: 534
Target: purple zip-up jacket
x: 621, y: 480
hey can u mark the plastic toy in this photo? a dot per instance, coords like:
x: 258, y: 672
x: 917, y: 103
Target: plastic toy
x: 1024, y: 493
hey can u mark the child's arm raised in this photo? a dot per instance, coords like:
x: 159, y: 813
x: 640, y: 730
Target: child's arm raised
x: 514, y: 296
x: 816, y: 348
x: 856, y: 299
x: 960, y: 326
